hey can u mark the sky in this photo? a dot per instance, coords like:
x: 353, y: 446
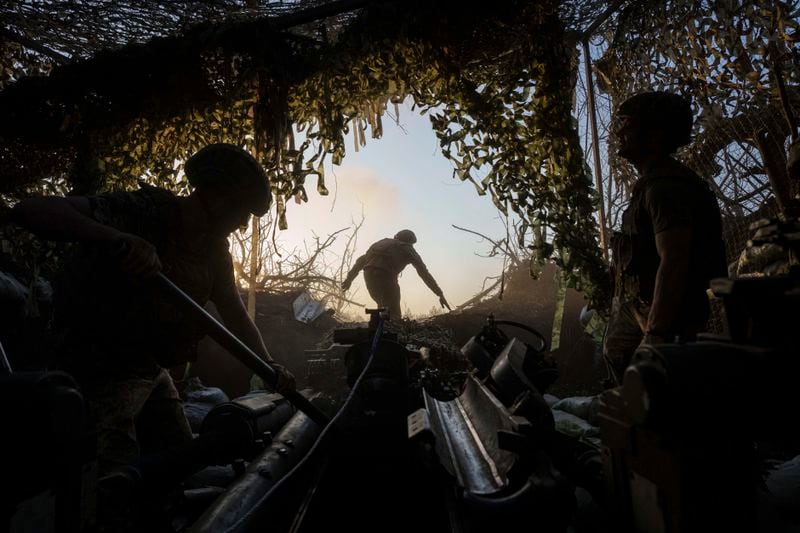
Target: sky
x: 402, y: 181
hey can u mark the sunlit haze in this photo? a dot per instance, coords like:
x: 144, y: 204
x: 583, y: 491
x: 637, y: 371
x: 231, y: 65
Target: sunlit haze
x: 403, y: 181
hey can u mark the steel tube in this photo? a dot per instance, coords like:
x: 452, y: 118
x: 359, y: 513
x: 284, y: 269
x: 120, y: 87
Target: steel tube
x: 237, y: 348
x: 240, y: 505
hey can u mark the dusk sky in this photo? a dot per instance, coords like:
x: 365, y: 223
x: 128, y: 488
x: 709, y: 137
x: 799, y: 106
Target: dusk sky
x: 403, y: 181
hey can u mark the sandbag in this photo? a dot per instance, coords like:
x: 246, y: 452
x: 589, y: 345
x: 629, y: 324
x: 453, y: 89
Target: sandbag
x: 584, y: 407
x: 551, y: 400
x: 199, y: 400
x: 784, y: 486
x: 574, y: 426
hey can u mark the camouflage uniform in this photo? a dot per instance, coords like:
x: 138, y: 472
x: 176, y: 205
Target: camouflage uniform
x: 117, y: 335
x: 382, y: 264
x: 667, y: 195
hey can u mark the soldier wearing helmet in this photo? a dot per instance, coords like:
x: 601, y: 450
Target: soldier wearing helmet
x: 118, y: 335
x: 383, y: 263
x: 671, y: 243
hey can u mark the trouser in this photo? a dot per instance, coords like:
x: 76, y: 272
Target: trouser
x: 624, y: 333
x: 136, y: 411
x: 384, y: 289
x: 626, y: 328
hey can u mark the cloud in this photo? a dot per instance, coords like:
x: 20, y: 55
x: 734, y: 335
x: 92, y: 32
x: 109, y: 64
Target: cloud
x: 360, y: 189
x: 362, y: 185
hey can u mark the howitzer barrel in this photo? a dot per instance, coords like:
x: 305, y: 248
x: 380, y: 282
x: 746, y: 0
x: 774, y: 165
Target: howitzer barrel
x: 243, y: 505
x: 5, y: 365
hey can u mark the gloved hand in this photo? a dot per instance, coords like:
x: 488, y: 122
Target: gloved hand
x: 346, y: 285
x: 286, y: 382
x: 444, y: 303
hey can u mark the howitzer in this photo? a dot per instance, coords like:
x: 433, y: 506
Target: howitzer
x: 395, y: 458
x: 401, y: 459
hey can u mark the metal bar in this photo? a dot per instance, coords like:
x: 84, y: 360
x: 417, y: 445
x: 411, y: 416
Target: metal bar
x: 237, y: 348
x: 598, y: 178
x: 610, y: 10
x: 4, y: 362
x: 302, y: 512
x: 33, y: 45
x: 775, y: 162
x: 777, y: 72
x: 313, y: 14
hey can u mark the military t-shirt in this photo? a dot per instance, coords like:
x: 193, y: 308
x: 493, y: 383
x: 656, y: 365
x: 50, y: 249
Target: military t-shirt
x: 106, y: 319
x: 393, y: 255
x: 670, y: 195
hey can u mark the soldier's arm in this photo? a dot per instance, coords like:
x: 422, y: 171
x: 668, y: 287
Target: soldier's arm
x: 233, y: 312
x: 671, y: 278
x: 61, y: 219
x: 422, y: 270
x: 234, y: 315
x: 70, y: 219
x: 357, y: 267
x: 667, y: 205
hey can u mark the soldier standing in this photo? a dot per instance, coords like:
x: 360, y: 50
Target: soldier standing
x: 383, y: 262
x: 671, y: 240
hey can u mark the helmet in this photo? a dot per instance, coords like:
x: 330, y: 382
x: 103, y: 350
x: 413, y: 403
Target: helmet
x: 406, y: 235
x: 228, y: 167
x: 670, y: 113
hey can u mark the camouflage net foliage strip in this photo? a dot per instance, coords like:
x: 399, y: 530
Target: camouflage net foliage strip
x: 721, y: 53
x: 511, y: 133
x: 500, y: 107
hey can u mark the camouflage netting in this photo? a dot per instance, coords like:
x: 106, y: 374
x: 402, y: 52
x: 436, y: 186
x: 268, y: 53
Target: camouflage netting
x: 100, y: 94
x: 97, y: 94
x: 727, y: 56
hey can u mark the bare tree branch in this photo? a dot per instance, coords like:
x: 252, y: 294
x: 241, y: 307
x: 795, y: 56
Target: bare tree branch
x: 312, y: 265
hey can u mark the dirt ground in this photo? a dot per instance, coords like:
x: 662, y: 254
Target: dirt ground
x: 532, y: 302
x: 528, y: 301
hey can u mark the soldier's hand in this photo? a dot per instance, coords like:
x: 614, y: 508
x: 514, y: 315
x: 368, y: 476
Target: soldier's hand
x: 137, y: 256
x: 346, y: 285
x: 286, y: 382
x: 444, y: 303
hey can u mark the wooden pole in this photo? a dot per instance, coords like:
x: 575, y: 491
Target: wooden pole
x: 255, y: 247
x: 598, y: 178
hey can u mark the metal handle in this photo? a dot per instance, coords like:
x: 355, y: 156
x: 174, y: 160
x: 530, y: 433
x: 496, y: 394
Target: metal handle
x: 237, y: 348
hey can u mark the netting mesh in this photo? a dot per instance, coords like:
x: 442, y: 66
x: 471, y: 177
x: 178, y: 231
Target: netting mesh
x: 727, y: 157
x: 721, y: 53
x: 37, y: 36
x: 727, y: 60
x: 725, y: 154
